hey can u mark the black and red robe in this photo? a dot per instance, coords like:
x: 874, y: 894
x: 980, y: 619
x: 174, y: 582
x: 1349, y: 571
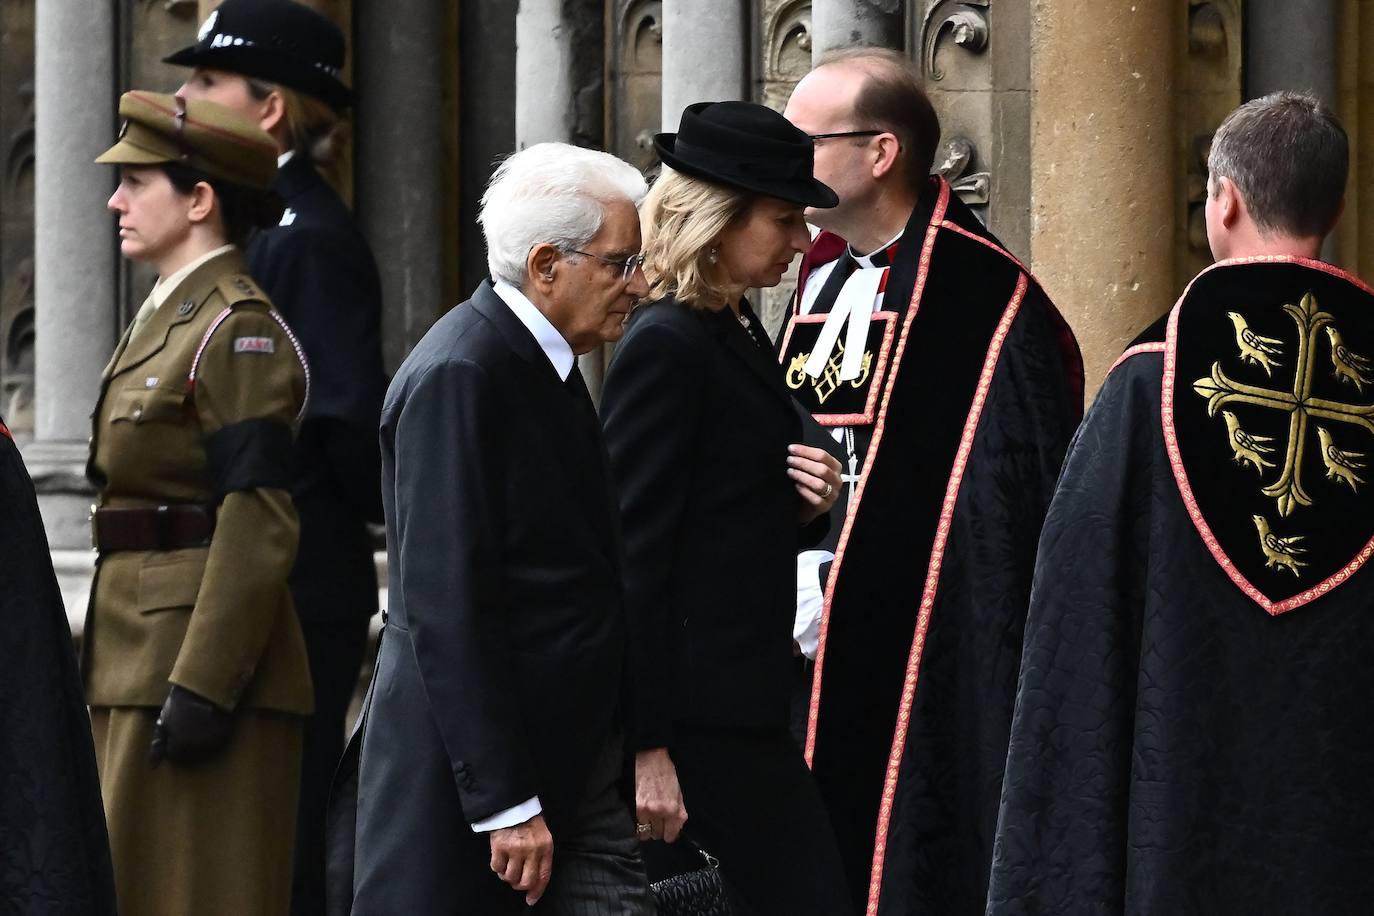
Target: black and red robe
x: 979, y: 389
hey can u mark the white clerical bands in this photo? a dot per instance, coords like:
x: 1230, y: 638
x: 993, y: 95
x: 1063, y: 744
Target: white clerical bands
x: 856, y: 298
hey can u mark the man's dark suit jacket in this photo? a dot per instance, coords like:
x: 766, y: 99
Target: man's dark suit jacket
x: 698, y: 421
x: 499, y: 676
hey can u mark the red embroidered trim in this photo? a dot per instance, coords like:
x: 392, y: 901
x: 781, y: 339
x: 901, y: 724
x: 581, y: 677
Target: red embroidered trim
x: 1156, y: 347
x: 851, y: 419
x: 1185, y: 489
x: 5, y: 431
x: 937, y: 556
x: 880, y: 424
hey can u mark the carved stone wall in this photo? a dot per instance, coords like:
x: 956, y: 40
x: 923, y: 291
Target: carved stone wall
x: 975, y: 58
x: 635, y: 48
x: 1210, y: 87
x: 784, y: 40
x: 149, y: 30
x: 16, y: 213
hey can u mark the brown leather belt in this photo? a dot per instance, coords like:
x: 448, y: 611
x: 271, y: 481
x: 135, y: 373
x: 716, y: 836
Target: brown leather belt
x: 172, y: 527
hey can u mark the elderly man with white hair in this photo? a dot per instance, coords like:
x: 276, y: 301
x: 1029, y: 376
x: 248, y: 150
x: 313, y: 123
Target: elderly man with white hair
x: 491, y: 749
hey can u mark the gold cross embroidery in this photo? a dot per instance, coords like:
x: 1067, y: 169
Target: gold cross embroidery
x: 829, y: 379
x: 1220, y: 390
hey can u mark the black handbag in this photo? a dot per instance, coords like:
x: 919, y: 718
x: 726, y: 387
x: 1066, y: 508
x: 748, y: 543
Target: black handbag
x: 695, y: 893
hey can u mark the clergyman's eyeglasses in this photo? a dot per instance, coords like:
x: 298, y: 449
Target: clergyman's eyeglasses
x: 846, y: 133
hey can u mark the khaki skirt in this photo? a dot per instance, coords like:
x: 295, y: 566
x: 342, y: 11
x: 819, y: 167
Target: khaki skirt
x: 207, y: 839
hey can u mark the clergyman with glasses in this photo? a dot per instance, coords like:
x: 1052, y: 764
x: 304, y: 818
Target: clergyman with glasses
x: 948, y: 386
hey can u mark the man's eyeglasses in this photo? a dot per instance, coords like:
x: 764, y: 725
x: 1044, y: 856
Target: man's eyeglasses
x: 846, y: 133
x: 627, y: 265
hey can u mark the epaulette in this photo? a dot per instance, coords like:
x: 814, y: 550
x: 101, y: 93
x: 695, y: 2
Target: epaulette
x: 238, y: 289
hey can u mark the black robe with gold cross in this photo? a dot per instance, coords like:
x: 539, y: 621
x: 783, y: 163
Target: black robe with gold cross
x: 1192, y: 732
x: 975, y: 388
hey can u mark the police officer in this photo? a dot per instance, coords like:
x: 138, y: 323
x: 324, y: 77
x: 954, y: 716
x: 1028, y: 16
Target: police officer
x: 278, y: 63
x: 195, y: 667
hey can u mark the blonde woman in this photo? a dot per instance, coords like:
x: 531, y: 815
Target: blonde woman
x: 277, y: 62
x: 716, y: 494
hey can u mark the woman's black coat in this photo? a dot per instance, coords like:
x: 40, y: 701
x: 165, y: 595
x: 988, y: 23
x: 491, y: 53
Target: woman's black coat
x: 697, y: 423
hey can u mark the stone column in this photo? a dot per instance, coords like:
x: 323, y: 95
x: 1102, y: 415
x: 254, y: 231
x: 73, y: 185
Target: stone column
x: 704, y: 55
x: 400, y: 160
x: 839, y: 24
x: 558, y: 94
x: 543, y: 74
x: 1103, y: 168
x: 76, y: 288
x: 1291, y: 45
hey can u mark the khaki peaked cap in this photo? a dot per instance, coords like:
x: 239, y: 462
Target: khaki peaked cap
x: 201, y: 135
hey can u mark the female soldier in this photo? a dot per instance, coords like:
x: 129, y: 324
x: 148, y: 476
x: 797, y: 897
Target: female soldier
x: 702, y: 438
x: 190, y: 611
x: 284, y: 76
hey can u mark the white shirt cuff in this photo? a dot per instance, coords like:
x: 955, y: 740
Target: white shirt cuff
x: 806, y: 629
x: 510, y: 817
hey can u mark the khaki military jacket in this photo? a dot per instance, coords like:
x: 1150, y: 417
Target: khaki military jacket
x: 201, y: 406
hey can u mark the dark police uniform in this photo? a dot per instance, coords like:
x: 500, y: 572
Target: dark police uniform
x: 320, y: 273
x: 196, y: 534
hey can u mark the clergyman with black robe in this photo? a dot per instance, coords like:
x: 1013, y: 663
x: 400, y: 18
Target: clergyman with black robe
x: 1192, y: 733
x: 950, y: 387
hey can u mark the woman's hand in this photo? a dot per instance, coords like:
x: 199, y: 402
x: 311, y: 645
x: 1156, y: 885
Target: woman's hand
x: 816, y: 475
x: 658, y: 797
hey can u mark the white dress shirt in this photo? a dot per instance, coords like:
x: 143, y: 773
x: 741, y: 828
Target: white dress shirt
x: 561, y: 356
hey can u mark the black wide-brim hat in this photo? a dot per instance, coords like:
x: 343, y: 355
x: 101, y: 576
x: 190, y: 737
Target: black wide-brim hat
x: 746, y: 146
x: 280, y: 41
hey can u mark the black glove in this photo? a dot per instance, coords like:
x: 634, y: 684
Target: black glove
x: 189, y: 728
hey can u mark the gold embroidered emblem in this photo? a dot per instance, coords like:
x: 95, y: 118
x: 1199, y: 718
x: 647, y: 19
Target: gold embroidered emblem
x: 829, y: 381
x: 1253, y: 450
x: 1279, y: 553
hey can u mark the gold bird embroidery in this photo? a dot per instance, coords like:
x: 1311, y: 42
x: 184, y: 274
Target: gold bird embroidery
x: 1340, y: 464
x: 1247, y: 447
x: 1350, y: 367
x: 1256, y: 348
x: 1279, y: 553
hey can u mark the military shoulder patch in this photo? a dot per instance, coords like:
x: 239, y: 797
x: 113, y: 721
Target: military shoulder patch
x: 1268, y: 418
x: 254, y: 345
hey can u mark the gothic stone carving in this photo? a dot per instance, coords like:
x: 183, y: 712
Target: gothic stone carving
x: 964, y: 21
x: 1211, y: 78
x: 784, y: 29
x: 636, y: 80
